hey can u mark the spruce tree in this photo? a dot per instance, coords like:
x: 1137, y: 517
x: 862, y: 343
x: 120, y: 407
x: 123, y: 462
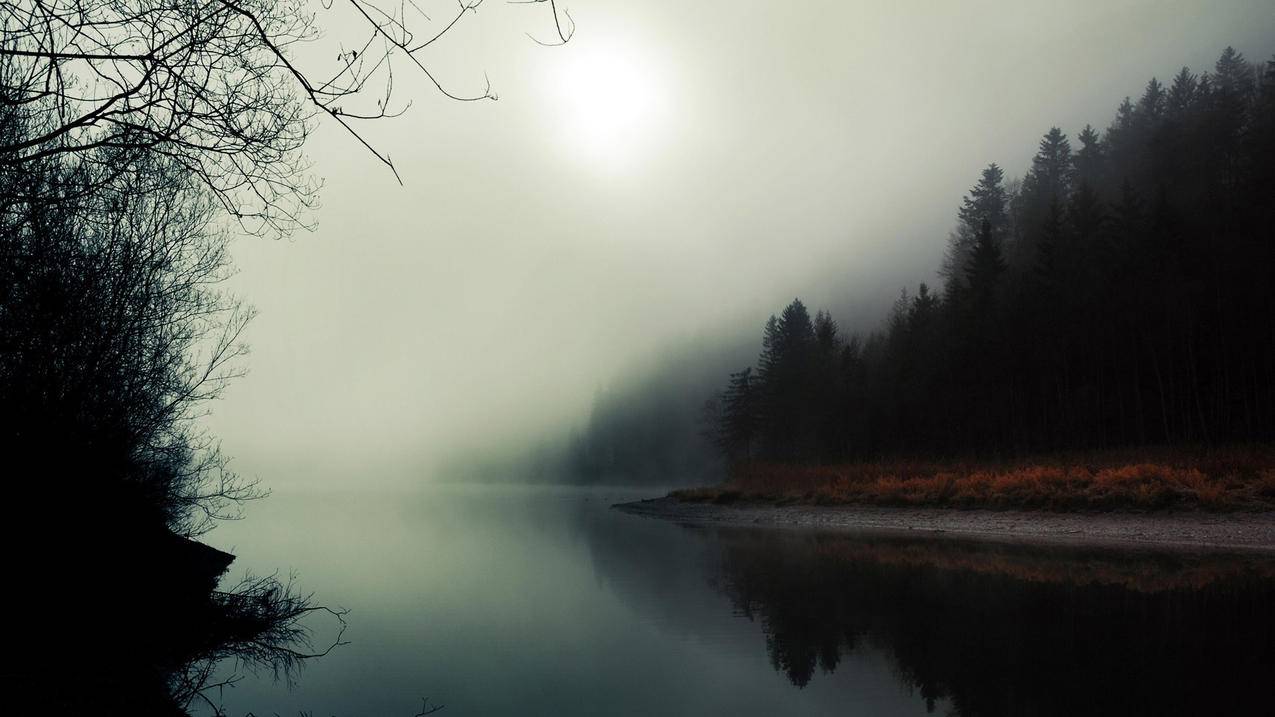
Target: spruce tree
x: 1233, y: 75
x: 1088, y: 161
x: 1182, y: 94
x: 985, y: 265
x: 1085, y: 215
x: 771, y: 346
x: 1122, y: 141
x: 739, y: 415
x: 1051, y: 167
x: 825, y: 332
x: 1050, y: 249
x: 1152, y: 104
x: 987, y: 200
x: 924, y: 309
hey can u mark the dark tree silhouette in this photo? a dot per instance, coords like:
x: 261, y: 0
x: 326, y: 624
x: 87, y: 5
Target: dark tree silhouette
x: 1121, y: 295
x: 740, y: 404
x: 114, y: 336
x: 227, y: 89
x: 785, y: 375
x: 984, y: 268
x: 128, y: 130
x: 987, y: 200
x: 994, y: 630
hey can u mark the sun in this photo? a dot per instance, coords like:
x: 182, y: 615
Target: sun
x: 610, y: 101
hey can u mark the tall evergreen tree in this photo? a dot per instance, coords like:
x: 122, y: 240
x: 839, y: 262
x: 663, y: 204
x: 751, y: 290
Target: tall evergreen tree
x: 1122, y: 140
x: 924, y: 309
x: 1085, y: 215
x: 1048, y: 180
x: 1182, y: 94
x: 1050, y: 249
x: 1102, y: 319
x: 1088, y: 161
x: 1233, y: 75
x: 739, y: 416
x: 987, y: 200
x: 784, y: 370
x: 1051, y: 171
x: 985, y: 266
x: 825, y: 332
x: 1152, y: 104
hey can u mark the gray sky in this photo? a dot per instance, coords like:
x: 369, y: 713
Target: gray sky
x: 678, y: 168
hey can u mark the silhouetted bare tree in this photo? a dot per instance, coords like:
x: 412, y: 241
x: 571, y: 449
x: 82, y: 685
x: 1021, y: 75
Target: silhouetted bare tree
x: 128, y: 128
x: 114, y: 335
x: 227, y: 89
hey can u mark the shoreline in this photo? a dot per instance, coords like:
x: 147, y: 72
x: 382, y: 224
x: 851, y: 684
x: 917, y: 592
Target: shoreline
x: 1182, y: 531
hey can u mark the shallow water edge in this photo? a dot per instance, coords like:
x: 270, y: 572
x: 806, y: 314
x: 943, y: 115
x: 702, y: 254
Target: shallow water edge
x: 1176, y: 531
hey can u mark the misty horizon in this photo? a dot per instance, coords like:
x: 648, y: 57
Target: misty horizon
x: 831, y: 173
x: 583, y: 357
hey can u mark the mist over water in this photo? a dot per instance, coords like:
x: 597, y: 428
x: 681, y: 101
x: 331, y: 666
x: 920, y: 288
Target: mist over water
x: 506, y: 600
x: 487, y: 342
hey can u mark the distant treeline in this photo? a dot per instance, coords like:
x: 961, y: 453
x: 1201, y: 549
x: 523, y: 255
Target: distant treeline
x: 1122, y: 293
x: 646, y: 429
x: 642, y: 428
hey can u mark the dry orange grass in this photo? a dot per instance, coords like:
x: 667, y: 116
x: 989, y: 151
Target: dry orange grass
x: 1232, y: 479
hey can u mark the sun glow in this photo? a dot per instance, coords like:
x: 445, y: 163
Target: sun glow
x: 611, y: 102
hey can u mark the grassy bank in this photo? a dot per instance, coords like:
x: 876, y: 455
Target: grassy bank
x: 1149, y: 479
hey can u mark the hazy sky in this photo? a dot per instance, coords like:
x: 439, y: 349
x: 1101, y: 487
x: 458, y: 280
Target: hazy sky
x: 678, y: 168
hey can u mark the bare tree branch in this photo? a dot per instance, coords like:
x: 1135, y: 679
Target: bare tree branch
x: 216, y: 86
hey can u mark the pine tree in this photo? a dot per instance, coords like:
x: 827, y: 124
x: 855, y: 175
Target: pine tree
x: 739, y: 415
x: 770, y: 350
x: 987, y: 200
x: 1122, y: 141
x: 1088, y: 162
x: 1121, y: 295
x: 985, y: 265
x: 1049, y: 180
x: 1085, y: 215
x: 1124, y: 122
x: 1049, y: 252
x: 1130, y: 218
x: 1152, y: 104
x: 1263, y: 140
x: 786, y: 382
x: 1234, y: 90
x: 1182, y: 94
x: 924, y: 307
x: 1051, y: 167
x: 1204, y: 89
x: 825, y: 332
x: 1234, y: 76
x: 897, y: 325
x: 796, y: 331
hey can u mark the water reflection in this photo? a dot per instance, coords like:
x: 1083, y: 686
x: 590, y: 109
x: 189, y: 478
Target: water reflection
x: 503, y: 601
x: 1001, y: 630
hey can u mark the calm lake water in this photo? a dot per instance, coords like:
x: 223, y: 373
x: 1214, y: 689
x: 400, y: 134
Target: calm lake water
x: 529, y: 601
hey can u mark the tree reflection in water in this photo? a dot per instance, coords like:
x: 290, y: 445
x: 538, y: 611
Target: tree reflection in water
x: 1012, y: 630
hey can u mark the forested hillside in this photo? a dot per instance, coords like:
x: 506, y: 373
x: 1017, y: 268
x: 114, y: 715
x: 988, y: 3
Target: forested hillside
x: 1120, y: 294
